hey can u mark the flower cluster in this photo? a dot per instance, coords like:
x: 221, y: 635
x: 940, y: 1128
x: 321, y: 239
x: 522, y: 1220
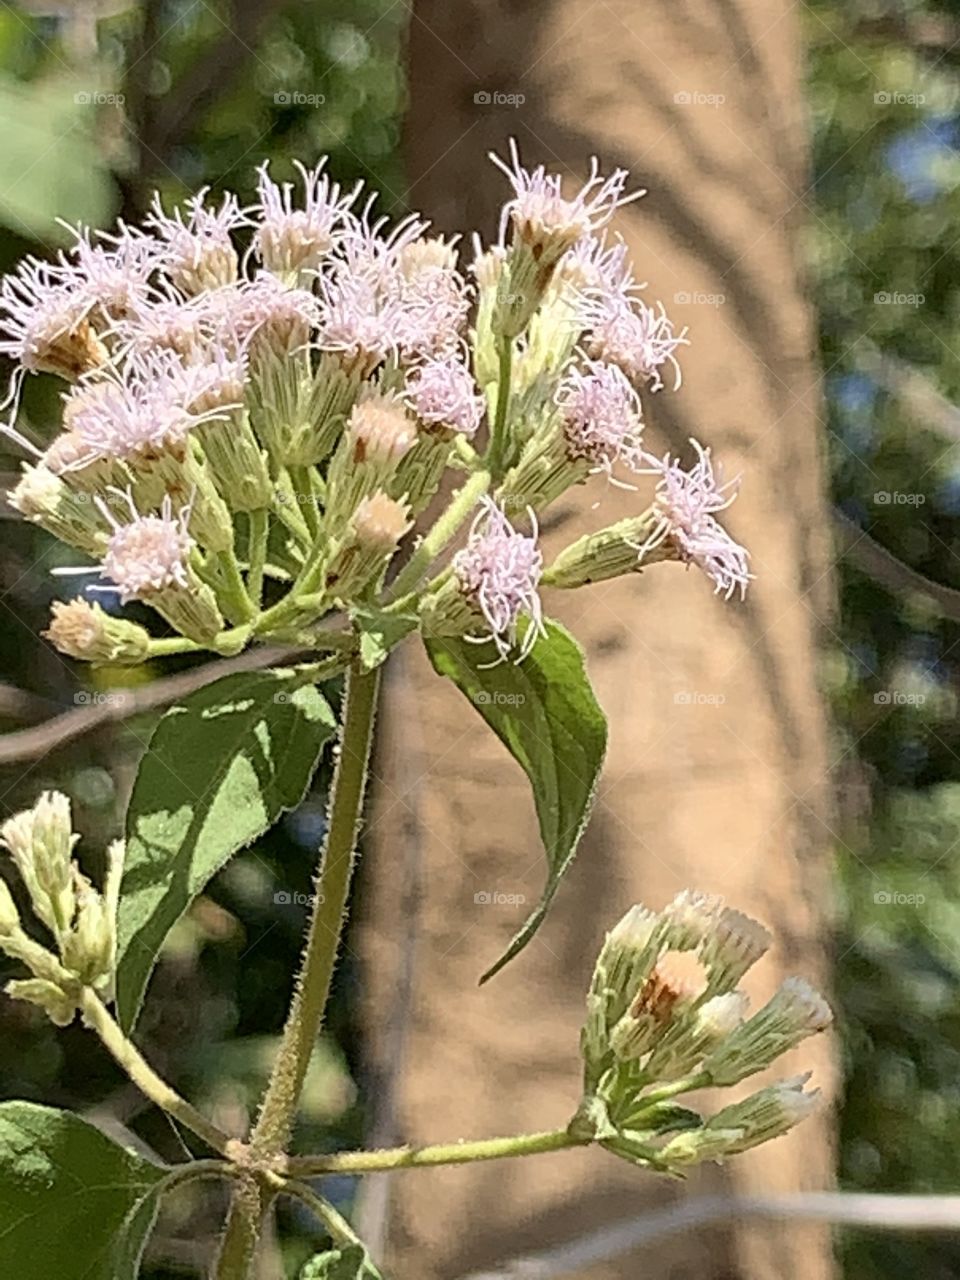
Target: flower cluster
x: 80, y: 919
x: 665, y: 1017
x: 260, y: 402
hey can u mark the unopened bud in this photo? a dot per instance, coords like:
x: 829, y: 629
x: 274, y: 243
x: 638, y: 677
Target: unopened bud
x: 676, y: 981
x: 686, y: 1042
x: 766, y: 1114
x: 697, y: 1145
x: 795, y: 1012
x: 379, y: 435
x: 733, y: 946
x: 41, y: 841
x: 45, y: 499
x: 87, y: 632
x: 9, y: 916
x: 373, y: 535
x: 610, y: 553
x: 59, y: 1007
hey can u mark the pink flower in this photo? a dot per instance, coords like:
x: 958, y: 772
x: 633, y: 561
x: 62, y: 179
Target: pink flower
x: 290, y: 239
x: 539, y: 212
x: 686, y: 504
x: 114, y: 279
x: 149, y: 553
x: 434, y: 299
x: 638, y: 338
x: 45, y: 321
x: 198, y: 248
x: 602, y: 415
x: 499, y: 571
x: 443, y: 393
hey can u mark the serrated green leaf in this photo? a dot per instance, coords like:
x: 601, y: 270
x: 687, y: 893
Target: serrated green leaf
x: 350, y: 1263
x: 66, y: 1191
x: 544, y: 711
x: 220, y: 769
x: 380, y: 632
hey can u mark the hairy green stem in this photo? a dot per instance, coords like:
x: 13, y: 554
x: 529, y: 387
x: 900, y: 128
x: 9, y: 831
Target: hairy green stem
x: 259, y: 532
x: 232, y: 589
x: 496, y: 454
x: 278, y: 1111
x: 440, y: 535
x: 340, y: 1229
x: 126, y: 1054
x: 520, y: 1144
x: 241, y: 1236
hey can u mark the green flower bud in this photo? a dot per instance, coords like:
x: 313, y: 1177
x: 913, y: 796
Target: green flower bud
x: 85, y: 631
x: 697, y: 1145
x: 373, y: 535
x: 379, y: 434
x: 41, y: 842
x: 9, y: 916
x: 45, y: 499
x: 610, y: 553
x: 795, y: 1012
x: 766, y: 1114
x: 59, y: 1007
x: 237, y: 463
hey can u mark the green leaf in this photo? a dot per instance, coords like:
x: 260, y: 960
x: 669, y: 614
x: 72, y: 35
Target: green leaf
x: 50, y: 164
x: 380, y: 632
x: 220, y: 769
x: 66, y: 1191
x: 544, y: 711
x: 350, y: 1263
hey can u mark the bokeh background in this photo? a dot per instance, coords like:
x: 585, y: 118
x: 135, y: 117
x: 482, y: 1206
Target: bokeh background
x: 851, y: 165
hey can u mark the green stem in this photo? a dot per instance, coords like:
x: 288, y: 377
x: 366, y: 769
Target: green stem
x: 306, y: 498
x: 520, y: 1144
x: 698, y: 1081
x: 241, y: 1236
x: 96, y: 1016
x: 442, y: 533
x: 278, y: 1111
x: 232, y: 590
x: 496, y: 454
x: 339, y: 1228
x: 259, y: 532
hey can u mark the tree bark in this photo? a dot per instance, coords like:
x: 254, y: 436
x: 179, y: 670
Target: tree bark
x: 717, y: 776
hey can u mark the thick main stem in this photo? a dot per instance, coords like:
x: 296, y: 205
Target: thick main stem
x: 278, y: 1111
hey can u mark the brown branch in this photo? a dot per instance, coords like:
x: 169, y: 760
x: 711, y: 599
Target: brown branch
x: 884, y: 568
x: 878, y: 1211
x: 121, y: 704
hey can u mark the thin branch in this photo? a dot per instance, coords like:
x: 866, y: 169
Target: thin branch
x: 881, y: 1212
x: 122, y: 704
x: 915, y: 388
x: 896, y: 577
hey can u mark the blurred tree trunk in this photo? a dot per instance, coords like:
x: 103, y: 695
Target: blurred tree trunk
x: 729, y: 796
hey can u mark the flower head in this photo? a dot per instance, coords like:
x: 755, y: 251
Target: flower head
x: 443, y: 393
x: 44, y: 322
x: 115, y: 278
x: 602, y: 415
x: 498, y: 571
x: 148, y: 554
x: 198, y: 249
x: 686, y: 504
x: 290, y: 239
x: 640, y: 339
x: 542, y: 216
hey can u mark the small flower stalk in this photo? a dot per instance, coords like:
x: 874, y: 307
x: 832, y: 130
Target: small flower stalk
x: 665, y: 1017
x: 79, y: 919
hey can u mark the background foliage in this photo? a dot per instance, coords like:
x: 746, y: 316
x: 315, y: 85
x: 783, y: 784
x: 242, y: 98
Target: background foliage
x: 172, y: 96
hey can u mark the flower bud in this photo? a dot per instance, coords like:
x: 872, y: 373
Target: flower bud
x: 732, y: 947
x: 609, y: 553
x: 683, y: 1046
x: 43, y: 498
x: 676, y: 981
x: 766, y: 1114
x: 697, y: 1145
x: 9, y: 916
x: 85, y: 631
x: 795, y: 1012
x: 378, y: 435
x: 373, y: 535
x: 41, y: 842
x: 236, y: 462
x: 59, y: 1007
